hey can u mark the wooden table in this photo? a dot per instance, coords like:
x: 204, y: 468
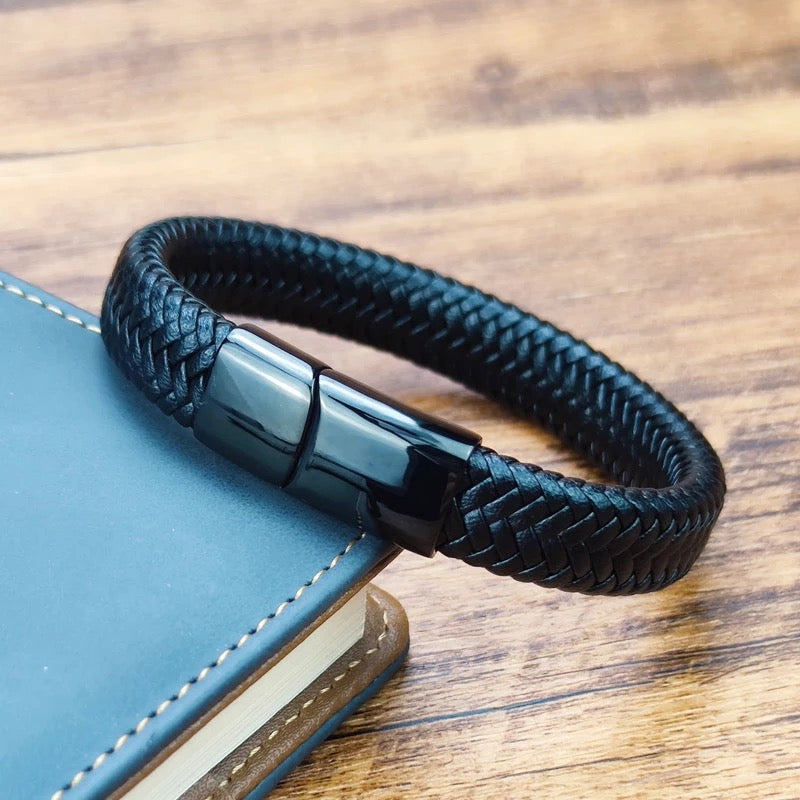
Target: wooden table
x: 631, y: 171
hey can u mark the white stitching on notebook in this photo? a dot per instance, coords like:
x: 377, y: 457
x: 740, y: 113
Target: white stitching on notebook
x: 79, y: 776
x: 307, y: 704
x: 53, y: 309
x: 142, y: 724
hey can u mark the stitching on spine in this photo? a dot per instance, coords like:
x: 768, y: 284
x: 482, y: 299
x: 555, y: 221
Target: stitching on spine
x: 53, y: 309
x: 299, y: 712
x: 142, y: 724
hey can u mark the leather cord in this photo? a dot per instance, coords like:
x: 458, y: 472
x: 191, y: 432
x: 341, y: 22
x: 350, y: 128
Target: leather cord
x: 638, y: 535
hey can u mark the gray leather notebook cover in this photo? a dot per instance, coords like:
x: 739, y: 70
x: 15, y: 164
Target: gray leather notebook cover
x: 144, y: 578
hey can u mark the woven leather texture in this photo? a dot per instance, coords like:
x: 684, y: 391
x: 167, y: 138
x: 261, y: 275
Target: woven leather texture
x: 640, y: 534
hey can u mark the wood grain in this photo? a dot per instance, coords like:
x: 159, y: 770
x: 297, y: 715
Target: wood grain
x: 629, y: 169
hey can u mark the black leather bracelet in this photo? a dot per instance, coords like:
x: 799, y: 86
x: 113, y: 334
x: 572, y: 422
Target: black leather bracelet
x: 423, y: 482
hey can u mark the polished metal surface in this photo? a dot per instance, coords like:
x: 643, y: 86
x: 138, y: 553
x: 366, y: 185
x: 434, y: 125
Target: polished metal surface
x: 256, y: 407
x: 397, y: 467
x: 338, y: 444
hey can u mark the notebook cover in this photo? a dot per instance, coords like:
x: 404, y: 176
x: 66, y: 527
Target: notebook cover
x: 142, y: 577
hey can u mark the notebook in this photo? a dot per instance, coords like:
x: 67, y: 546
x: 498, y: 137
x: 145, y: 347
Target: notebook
x: 172, y: 625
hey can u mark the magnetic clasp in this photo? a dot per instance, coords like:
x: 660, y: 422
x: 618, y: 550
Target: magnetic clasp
x: 256, y: 406
x: 336, y: 443
x: 393, y: 468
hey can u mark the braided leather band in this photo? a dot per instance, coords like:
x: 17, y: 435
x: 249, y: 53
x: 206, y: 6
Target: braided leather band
x: 512, y: 518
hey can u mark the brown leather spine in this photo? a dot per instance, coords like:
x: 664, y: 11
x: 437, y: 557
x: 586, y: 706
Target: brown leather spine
x: 385, y: 638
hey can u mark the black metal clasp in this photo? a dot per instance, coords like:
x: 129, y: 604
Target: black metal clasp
x: 338, y: 444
